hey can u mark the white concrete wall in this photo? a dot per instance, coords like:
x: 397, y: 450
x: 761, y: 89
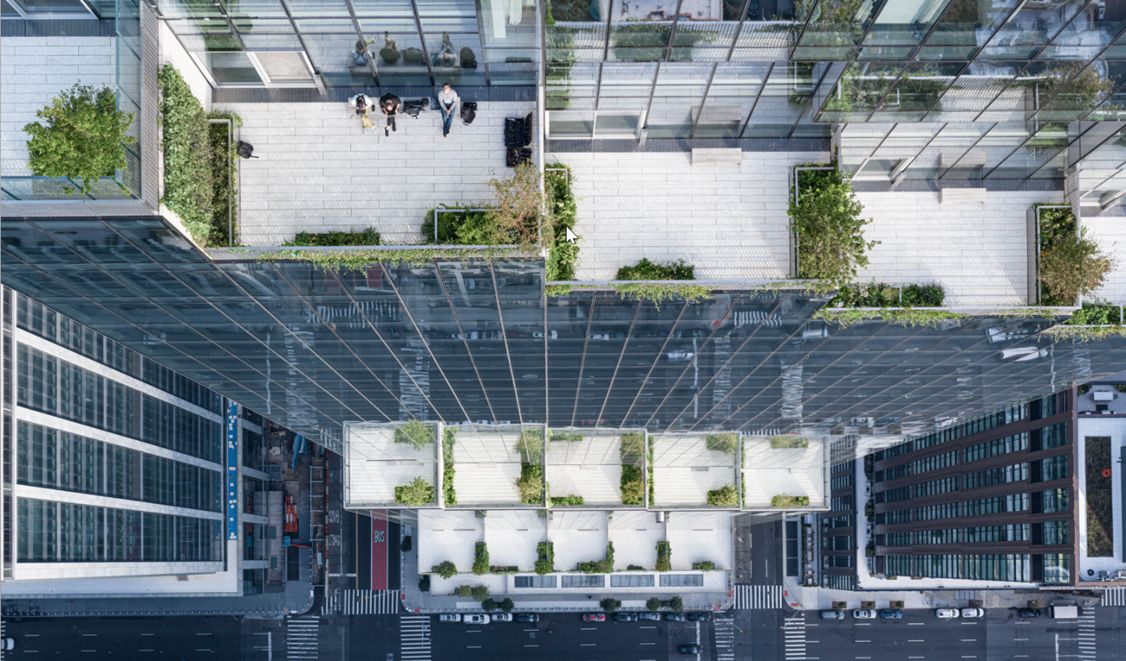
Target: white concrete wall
x: 1110, y: 233
x: 172, y: 52
x: 35, y: 69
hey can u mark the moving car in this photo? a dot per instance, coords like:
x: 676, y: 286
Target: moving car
x: 594, y: 617
x: 972, y: 612
x: 625, y: 617
x: 675, y: 617
x: 502, y: 617
x: 947, y: 613
x: 649, y: 617
x: 476, y: 618
x: 689, y: 648
x: 449, y: 617
x: 700, y: 616
x: 1028, y: 612
x: 864, y: 614
x: 832, y: 615
x: 9, y: 644
x: 527, y: 617
x: 890, y: 614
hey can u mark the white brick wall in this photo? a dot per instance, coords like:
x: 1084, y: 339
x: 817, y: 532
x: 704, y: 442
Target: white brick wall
x: 318, y: 171
x: 34, y: 69
x: 977, y: 252
x: 729, y: 221
x: 1110, y: 233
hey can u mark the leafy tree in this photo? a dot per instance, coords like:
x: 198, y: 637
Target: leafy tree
x: 610, y: 605
x: 676, y: 604
x: 829, y: 228
x: 519, y: 208
x: 489, y: 604
x: 725, y: 496
x: 1073, y: 266
x: 444, y: 569
x: 481, y: 559
x: 506, y: 605
x: 82, y: 136
x: 418, y: 492
x: 479, y: 592
x: 653, y: 604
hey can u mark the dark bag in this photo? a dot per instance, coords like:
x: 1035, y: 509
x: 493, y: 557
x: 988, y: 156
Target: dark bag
x: 245, y: 149
x: 468, y: 59
x: 468, y: 112
x: 414, y: 108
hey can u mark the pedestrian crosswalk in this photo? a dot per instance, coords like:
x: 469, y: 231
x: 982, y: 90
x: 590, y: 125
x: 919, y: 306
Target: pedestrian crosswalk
x: 362, y: 602
x: 794, y: 631
x: 414, y: 638
x: 1114, y: 597
x: 758, y: 597
x: 725, y: 639
x: 302, y: 640
x: 1087, y: 634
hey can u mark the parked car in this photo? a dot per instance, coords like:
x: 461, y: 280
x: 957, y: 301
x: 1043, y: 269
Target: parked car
x: 972, y: 612
x: 864, y: 614
x: 594, y: 617
x: 689, y: 648
x: 1028, y: 612
x: 527, y: 617
x: 625, y: 617
x: 832, y: 615
x: 649, y: 617
x: 947, y: 613
x: 476, y: 618
x: 700, y: 616
x: 9, y: 644
x: 675, y: 617
x: 890, y: 614
x: 502, y: 617
x: 449, y: 617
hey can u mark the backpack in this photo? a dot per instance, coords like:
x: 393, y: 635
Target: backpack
x: 468, y: 59
x: 468, y: 112
x: 245, y: 150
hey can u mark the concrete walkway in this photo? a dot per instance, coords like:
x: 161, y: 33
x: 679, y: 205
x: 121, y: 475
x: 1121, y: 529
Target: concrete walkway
x: 317, y: 169
x: 807, y: 598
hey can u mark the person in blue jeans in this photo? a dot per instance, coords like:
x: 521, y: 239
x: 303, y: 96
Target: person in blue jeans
x: 449, y: 103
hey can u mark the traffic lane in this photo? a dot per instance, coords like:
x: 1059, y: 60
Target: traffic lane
x: 564, y: 637
x: 766, y: 562
x: 1015, y: 638
x: 919, y: 636
x: 117, y: 638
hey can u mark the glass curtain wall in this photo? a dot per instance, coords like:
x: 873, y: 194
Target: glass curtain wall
x: 352, y: 43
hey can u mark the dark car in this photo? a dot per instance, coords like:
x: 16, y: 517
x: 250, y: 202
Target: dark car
x: 649, y: 617
x: 1028, y: 612
x: 700, y: 616
x: 890, y: 614
x: 594, y: 617
x: 674, y: 617
x: 625, y: 617
x: 526, y: 617
x: 689, y: 648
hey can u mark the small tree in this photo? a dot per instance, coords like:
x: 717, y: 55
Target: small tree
x: 481, y: 559
x: 610, y: 605
x: 489, y: 605
x: 653, y: 604
x: 444, y: 569
x: 829, y: 228
x: 506, y: 605
x: 676, y: 604
x: 418, y: 492
x: 82, y: 136
x: 479, y: 592
x: 1073, y: 266
x: 519, y: 209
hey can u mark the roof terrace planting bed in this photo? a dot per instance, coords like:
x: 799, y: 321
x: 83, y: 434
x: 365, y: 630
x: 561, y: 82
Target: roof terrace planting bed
x: 497, y: 465
x: 391, y: 464
x: 694, y: 470
x: 595, y: 467
x: 783, y: 465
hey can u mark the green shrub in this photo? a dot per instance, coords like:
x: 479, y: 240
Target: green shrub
x: 727, y: 442
x: 481, y: 558
x: 653, y: 603
x: 444, y: 569
x: 782, y: 501
x: 784, y: 441
x: 566, y: 501
x: 1096, y: 314
x: 829, y: 227
x: 610, y: 604
x: 632, y: 485
x: 706, y: 565
x: 82, y: 136
x: 188, y: 179
x: 561, y: 259
x: 418, y: 492
x: 489, y: 604
x: 1072, y: 267
x: 664, y: 556
x: 650, y: 481
x: 448, y: 441
x: 224, y: 180
x: 368, y: 237
x: 565, y: 436
x: 506, y: 605
x: 503, y: 569
x: 424, y: 583
x: 562, y: 255
x: 866, y: 295
x: 1055, y: 225
x: 530, y: 484
x: 924, y: 296
x: 634, y: 568
x: 545, y: 558
x: 531, y: 445
x: 647, y: 270
x: 415, y: 432
x: 604, y: 566
x: 632, y: 447
x: 676, y: 604
x: 725, y: 496
x: 478, y: 592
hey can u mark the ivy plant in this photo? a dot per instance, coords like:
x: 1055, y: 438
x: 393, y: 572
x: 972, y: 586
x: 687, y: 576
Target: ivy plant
x: 81, y: 136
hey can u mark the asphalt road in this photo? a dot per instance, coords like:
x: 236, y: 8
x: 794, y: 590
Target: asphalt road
x: 758, y: 557
x: 125, y: 638
x: 565, y: 637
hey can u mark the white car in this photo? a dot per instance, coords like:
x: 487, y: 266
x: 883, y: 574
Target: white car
x: 864, y: 614
x: 9, y: 644
x: 476, y: 618
x: 449, y: 617
x: 501, y: 617
x: 972, y: 612
x: 947, y: 613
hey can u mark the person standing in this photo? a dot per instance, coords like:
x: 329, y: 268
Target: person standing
x: 390, y: 105
x: 449, y: 103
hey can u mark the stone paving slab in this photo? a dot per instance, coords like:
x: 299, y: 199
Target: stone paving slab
x: 1110, y: 233
x: 318, y: 170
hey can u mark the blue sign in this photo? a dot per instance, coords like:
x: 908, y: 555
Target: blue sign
x: 232, y: 470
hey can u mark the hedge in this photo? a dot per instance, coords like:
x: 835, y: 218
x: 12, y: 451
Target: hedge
x: 562, y: 255
x: 783, y: 501
x: 664, y: 556
x: 545, y: 558
x: 418, y: 492
x: 188, y: 185
x: 478, y: 592
x: 883, y: 295
x: 471, y: 228
x: 647, y: 270
x: 727, y: 442
x: 448, y: 440
x: 725, y: 496
x: 415, y: 432
x: 706, y: 565
x: 566, y: 501
x: 481, y: 558
x: 444, y: 569
x: 785, y: 441
x: 367, y: 237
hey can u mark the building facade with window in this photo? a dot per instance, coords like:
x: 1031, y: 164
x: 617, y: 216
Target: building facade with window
x: 116, y: 468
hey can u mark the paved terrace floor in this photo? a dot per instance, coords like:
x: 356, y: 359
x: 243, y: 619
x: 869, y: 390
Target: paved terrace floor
x: 319, y: 171
x: 728, y: 220
x: 1110, y: 233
